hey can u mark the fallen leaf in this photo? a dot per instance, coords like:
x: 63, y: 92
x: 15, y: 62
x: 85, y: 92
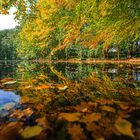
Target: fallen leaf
x: 31, y: 131
x: 70, y: 117
x: 28, y: 112
x: 124, y: 106
x: 76, y: 132
x: 124, y: 127
x: 19, y: 114
x: 6, y: 80
x: 62, y: 88
x: 96, y: 130
x: 39, y: 107
x: 108, y: 109
x: 24, y: 100
x: 9, y: 83
x: 10, y: 131
x: 43, y: 87
x: 42, y: 121
x: 91, y: 117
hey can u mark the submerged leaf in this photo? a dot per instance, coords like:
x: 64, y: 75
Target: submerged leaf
x: 76, y: 132
x: 10, y: 131
x: 70, y: 117
x: 42, y: 121
x: 24, y: 99
x: 124, y: 127
x: 108, y: 108
x: 31, y: 131
x: 91, y: 117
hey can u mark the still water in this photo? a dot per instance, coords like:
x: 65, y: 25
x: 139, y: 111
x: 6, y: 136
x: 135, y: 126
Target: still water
x: 59, y: 73
x: 70, y: 71
x: 102, y: 99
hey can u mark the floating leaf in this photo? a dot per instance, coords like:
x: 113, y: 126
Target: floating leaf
x: 6, y: 80
x: 9, y: 83
x: 124, y: 127
x: 62, y: 88
x: 43, y: 87
x: 76, y: 132
x: 70, y: 117
x: 31, y: 131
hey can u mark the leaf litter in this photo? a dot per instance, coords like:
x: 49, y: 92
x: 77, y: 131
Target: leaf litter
x: 76, y: 111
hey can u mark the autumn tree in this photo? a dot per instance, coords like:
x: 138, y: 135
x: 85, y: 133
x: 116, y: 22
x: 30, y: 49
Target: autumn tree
x: 49, y: 26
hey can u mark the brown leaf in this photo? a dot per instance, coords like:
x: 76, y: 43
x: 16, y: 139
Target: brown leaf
x: 42, y: 121
x: 124, y: 127
x: 96, y: 130
x: 39, y: 107
x: 91, y: 117
x: 70, y: 117
x: 108, y: 109
x: 28, y: 112
x: 124, y: 106
x: 24, y: 100
x: 10, y: 131
x: 6, y: 80
x: 19, y: 114
x: 76, y: 132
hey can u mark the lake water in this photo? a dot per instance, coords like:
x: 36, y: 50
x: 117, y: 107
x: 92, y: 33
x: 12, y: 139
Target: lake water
x: 59, y: 73
x: 102, y: 99
x: 70, y: 71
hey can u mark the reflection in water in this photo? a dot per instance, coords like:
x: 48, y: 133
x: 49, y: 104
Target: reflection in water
x: 60, y: 72
x: 7, y: 97
x: 7, y: 68
x: 67, y: 93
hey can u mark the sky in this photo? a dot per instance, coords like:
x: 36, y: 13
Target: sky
x: 7, y: 21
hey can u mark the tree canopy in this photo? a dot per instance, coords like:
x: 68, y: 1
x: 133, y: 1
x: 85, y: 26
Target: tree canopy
x: 52, y: 25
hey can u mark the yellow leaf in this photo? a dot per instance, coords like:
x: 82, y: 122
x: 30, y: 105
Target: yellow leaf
x: 70, y: 117
x: 108, y: 108
x: 31, y: 131
x: 124, y: 127
x: 91, y: 117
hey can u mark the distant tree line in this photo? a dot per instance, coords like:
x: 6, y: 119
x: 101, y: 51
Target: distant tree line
x: 9, y: 43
